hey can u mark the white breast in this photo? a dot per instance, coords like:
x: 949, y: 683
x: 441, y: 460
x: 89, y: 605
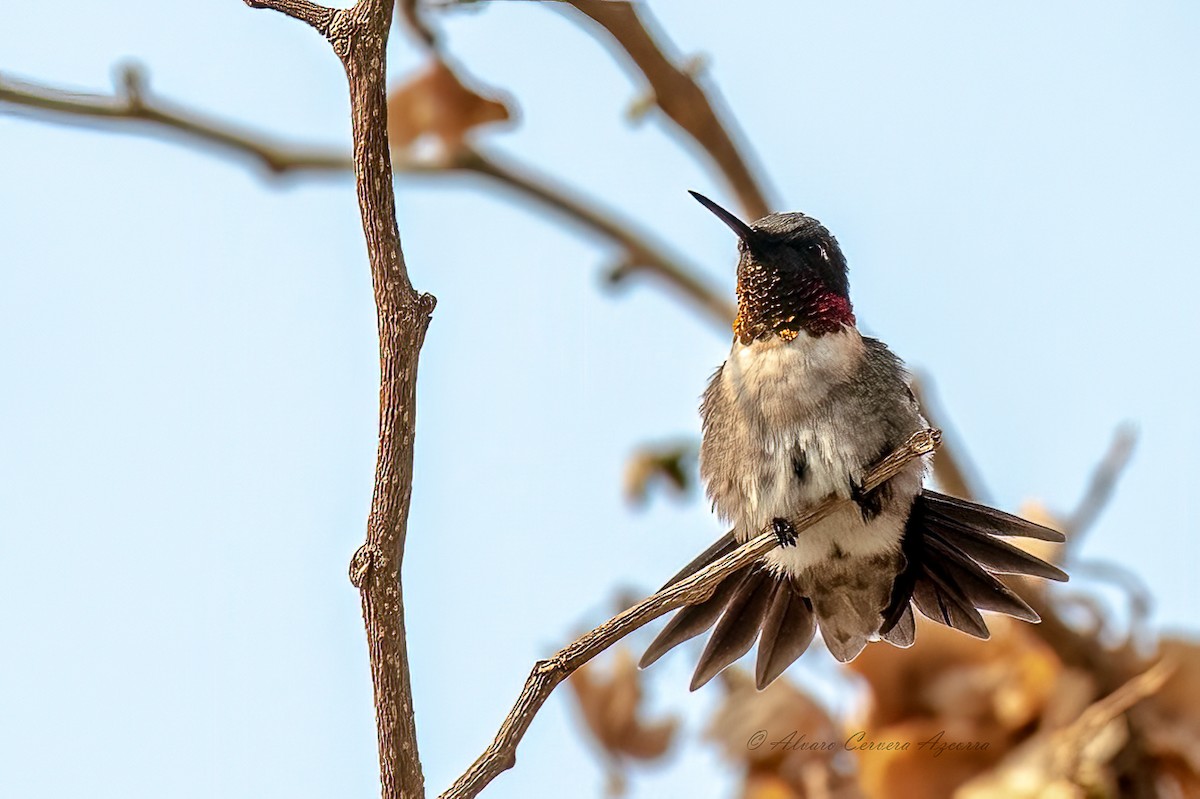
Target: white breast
x: 782, y: 379
x: 778, y: 387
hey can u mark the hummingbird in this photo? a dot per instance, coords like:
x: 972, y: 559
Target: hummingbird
x: 801, y: 409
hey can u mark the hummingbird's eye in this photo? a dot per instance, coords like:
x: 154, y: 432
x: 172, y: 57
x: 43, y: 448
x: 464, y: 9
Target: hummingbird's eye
x: 819, y: 249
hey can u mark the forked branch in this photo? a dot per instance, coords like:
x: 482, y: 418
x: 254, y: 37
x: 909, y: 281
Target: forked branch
x: 317, y: 16
x: 135, y: 108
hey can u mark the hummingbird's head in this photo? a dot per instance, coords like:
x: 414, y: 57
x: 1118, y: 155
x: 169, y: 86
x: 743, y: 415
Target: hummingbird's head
x: 791, y: 276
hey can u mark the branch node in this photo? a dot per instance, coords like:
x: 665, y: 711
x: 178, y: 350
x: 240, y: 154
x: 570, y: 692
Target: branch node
x: 926, y: 441
x: 426, y: 303
x: 132, y: 81
x: 549, y: 665
x: 362, y: 563
x: 622, y: 268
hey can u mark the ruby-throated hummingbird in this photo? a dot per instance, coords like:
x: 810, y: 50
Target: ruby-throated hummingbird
x: 801, y: 409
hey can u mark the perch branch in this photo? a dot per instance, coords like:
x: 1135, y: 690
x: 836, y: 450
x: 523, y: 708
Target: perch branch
x: 135, y: 108
x: 679, y: 96
x: 359, y: 37
x: 548, y: 673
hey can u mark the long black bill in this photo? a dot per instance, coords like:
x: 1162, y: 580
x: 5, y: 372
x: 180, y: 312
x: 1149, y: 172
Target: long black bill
x: 743, y: 231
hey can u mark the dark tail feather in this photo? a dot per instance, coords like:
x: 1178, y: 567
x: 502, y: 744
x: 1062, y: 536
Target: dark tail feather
x: 983, y: 518
x: 738, y: 627
x: 998, y: 557
x: 981, y: 588
x: 719, y: 549
x: 951, y: 553
x: 943, y: 601
x: 903, y: 631
x: 748, y: 601
x: 693, y: 619
x: 787, y: 631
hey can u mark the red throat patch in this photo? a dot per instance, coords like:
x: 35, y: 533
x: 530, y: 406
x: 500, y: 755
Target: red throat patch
x: 810, y: 307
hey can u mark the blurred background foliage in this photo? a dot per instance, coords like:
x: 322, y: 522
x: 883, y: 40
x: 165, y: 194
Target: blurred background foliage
x: 1018, y: 185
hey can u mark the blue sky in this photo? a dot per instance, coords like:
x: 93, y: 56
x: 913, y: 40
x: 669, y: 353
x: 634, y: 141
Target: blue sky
x: 187, y: 426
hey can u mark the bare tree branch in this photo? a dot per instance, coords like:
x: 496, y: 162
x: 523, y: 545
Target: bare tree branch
x: 132, y: 105
x: 952, y: 468
x: 637, y: 250
x: 679, y: 96
x: 547, y: 674
x: 317, y: 16
x: 1101, y: 486
x: 359, y: 37
x: 410, y: 12
x: 1137, y: 593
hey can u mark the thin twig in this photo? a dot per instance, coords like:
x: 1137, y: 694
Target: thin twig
x: 1138, y: 595
x: 131, y: 106
x: 410, y: 12
x: 637, y: 250
x: 679, y: 96
x: 359, y: 37
x: 1084, y: 650
x: 547, y: 674
x: 150, y: 114
x: 1100, y: 487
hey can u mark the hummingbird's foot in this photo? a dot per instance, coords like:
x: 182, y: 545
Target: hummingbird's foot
x: 784, y: 531
x: 870, y: 503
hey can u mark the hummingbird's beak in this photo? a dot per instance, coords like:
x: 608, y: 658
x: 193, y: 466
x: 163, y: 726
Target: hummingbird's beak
x: 743, y: 231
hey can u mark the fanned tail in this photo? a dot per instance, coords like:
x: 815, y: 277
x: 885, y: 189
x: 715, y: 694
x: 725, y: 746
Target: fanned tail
x: 750, y: 603
x: 952, y: 549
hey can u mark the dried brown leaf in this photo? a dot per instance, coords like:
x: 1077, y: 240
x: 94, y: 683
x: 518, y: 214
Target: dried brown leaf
x: 1179, y: 780
x: 670, y: 465
x: 926, y: 771
x: 1073, y: 760
x: 767, y: 785
x: 1170, y: 720
x: 779, y: 710
x: 1005, y: 682
x: 610, y: 703
x: 435, y: 104
x: 788, y: 745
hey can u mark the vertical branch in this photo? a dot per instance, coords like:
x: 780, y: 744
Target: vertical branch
x: 359, y: 37
x: 403, y: 317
